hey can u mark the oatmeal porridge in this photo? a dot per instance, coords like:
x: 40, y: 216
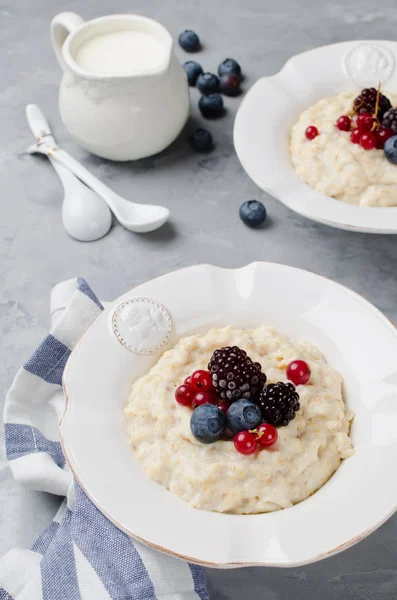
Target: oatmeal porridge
x: 214, y: 476
x: 335, y: 166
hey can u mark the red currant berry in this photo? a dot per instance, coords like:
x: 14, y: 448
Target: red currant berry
x: 204, y: 397
x: 188, y: 380
x: 224, y: 406
x: 201, y: 380
x: 184, y: 395
x: 355, y: 136
x: 245, y: 442
x: 344, y: 123
x: 382, y: 135
x: 311, y: 132
x: 298, y: 371
x: 266, y: 435
x: 365, y: 121
x: 368, y: 141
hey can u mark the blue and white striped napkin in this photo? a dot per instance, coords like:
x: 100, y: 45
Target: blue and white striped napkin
x: 81, y: 555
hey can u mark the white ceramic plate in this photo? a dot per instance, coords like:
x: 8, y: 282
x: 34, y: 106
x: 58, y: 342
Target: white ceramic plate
x: 355, y: 338
x: 272, y: 106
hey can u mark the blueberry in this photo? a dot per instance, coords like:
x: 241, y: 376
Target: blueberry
x: 229, y: 65
x: 208, y: 423
x: 201, y: 141
x: 207, y: 83
x: 243, y: 415
x: 253, y: 213
x: 390, y: 149
x: 211, y: 106
x: 230, y: 84
x: 192, y: 70
x: 189, y: 41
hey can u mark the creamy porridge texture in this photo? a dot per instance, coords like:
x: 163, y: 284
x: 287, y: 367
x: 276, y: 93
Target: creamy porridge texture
x: 334, y: 166
x: 215, y: 477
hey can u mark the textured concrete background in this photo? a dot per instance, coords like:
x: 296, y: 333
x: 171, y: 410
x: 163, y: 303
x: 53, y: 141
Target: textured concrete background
x: 204, y: 194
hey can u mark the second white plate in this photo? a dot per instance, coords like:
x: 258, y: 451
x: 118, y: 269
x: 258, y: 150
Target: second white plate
x: 273, y: 104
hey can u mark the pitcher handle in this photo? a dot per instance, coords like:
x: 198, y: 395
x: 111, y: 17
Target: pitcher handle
x: 61, y: 26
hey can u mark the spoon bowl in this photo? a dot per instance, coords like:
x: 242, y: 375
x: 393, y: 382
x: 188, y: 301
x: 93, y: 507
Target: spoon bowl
x: 143, y: 217
x: 85, y: 216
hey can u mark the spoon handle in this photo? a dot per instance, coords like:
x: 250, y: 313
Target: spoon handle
x: 110, y: 197
x: 41, y: 130
x: 67, y: 177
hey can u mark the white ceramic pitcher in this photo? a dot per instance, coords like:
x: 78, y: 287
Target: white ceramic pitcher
x: 119, y: 117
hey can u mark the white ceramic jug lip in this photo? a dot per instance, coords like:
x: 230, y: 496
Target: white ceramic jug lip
x: 101, y: 24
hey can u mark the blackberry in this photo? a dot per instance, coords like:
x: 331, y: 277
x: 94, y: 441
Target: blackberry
x: 278, y: 402
x: 390, y: 119
x: 366, y: 102
x: 235, y: 375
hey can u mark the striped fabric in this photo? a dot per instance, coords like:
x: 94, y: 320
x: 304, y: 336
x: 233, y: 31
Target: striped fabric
x: 80, y: 555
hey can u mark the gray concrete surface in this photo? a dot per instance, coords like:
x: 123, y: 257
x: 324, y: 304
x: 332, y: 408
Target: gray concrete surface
x: 204, y: 194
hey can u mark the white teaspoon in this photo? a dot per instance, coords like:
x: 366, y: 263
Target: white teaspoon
x: 85, y: 215
x: 140, y: 218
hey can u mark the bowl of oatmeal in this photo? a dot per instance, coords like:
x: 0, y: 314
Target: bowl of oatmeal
x: 134, y: 451
x: 215, y: 477
x: 326, y: 178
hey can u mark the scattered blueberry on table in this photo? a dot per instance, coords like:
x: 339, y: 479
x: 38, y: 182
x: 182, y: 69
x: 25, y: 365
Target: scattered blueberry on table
x: 230, y: 85
x: 208, y: 423
x: 211, y: 106
x: 253, y: 213
x: 390, y: 149
x: 211, y: 103
x: 207, y: 83
x: 193, y: 70
x: 201, y: 141
x: 189, y: 41
x: 229, y: 65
